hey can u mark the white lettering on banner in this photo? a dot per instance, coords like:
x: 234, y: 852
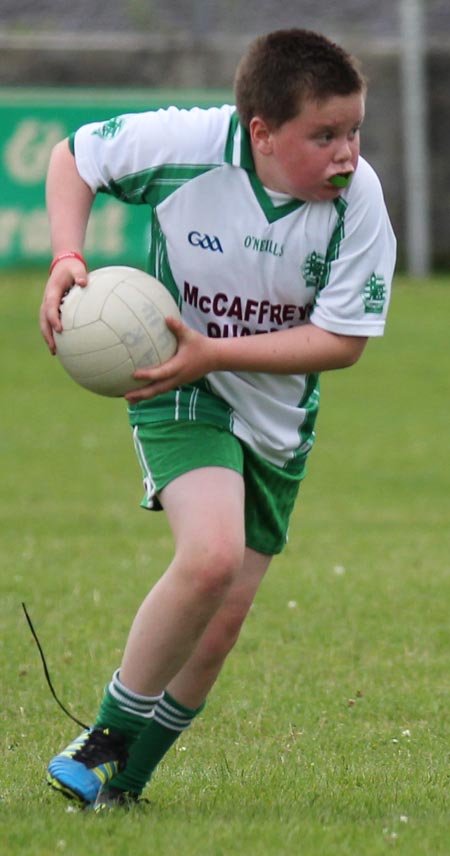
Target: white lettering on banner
x: 35, y: 232
x: 9, y: 225
x: 27, y: 232
x: 106, y: 229
x: 27, y: 152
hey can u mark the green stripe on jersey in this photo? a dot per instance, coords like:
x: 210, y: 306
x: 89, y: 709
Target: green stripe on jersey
x: 151, y: 186
x: 335, y: 242
x: 230, y: 144
x: 310, y: 402
x: 238, y: 150
x: 158, y: 261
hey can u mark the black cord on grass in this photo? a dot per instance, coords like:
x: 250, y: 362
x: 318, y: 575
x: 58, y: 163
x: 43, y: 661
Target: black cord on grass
x: 47, y: 674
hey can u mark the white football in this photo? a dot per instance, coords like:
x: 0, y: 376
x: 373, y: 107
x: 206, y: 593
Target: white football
x: 113, y: 326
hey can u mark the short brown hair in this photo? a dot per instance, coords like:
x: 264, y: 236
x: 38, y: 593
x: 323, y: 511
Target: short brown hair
x: 281, y: 69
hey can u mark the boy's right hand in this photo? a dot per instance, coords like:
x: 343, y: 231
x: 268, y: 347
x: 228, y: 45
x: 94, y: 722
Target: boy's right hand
x: 66, y: 274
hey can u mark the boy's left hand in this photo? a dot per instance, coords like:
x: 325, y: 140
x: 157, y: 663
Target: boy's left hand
x: 194, y: 358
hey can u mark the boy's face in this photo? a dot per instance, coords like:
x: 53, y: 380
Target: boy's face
x: 301, y: 156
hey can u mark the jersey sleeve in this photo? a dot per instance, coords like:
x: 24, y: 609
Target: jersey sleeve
x: 126, y: 155
x: 355, y: 291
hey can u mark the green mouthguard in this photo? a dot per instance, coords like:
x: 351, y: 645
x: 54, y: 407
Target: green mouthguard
x: 341, y: 180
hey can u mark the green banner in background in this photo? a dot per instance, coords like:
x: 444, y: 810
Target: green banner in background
x: 32, y: 121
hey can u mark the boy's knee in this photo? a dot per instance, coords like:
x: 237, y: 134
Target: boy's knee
x: 214, y: 567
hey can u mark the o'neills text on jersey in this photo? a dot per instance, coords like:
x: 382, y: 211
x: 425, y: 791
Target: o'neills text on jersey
x: 244, y: 316
x: 263, y: 245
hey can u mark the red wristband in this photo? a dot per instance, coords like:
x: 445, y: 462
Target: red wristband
x: 71, y: 254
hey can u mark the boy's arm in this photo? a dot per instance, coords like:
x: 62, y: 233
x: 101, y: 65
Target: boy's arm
x: 299, y: 350
x: 69, y: 202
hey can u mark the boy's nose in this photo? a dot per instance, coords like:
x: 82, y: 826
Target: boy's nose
x: 343, y: 154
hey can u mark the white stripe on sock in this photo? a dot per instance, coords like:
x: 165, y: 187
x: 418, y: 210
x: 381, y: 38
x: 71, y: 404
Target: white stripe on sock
x: 170, y: 717
x: 131, y: 701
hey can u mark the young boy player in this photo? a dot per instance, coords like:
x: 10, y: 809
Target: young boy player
x: 271, y: 232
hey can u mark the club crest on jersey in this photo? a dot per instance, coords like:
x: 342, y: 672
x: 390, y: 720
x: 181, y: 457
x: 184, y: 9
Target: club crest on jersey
x: 205, y: 242
x: 109, y: 129
x: 313, y: 268
x: 374, y: 294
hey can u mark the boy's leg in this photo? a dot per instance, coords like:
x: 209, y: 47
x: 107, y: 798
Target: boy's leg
x: 188, y: 690
x: 193, y: 682
x: 269, y: 496
x: 205, y: 508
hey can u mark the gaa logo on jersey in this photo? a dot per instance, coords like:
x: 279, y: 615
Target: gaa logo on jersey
x: 374, y: 294
x: 206, y: 242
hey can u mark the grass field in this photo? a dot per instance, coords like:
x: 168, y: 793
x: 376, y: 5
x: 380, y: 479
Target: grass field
x: 328, y: 732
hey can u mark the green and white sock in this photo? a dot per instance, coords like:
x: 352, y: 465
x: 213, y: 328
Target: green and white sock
x: 169, y: 720
x: 124, y: 710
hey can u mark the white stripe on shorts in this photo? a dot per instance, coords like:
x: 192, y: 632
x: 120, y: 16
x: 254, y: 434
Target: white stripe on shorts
x: 149, y: 484
x: 192, y: 404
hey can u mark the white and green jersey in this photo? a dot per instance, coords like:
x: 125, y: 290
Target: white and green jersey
x: 242, y: 261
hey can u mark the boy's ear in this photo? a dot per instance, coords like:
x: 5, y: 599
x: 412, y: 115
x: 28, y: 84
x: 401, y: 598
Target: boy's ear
x: 260, y: 135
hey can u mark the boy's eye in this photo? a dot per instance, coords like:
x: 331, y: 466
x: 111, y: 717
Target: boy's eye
x: 329, y: 136
x: 326, y: 136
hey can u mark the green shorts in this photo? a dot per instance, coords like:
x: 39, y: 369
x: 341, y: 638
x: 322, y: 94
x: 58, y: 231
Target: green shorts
x: 168, y: 449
